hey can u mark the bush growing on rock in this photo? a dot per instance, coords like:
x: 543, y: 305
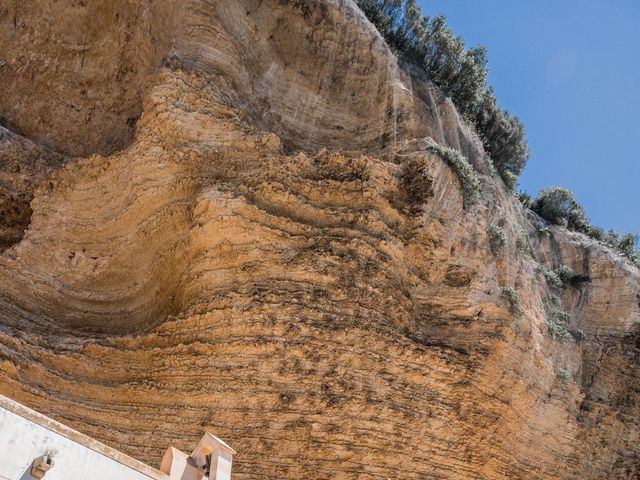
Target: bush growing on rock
x: 596, y: 233
x: 515, y: 307
x: 525, y: 199
x: 559, y: 206
x: 565, y: 274
x: 563, y: 376
x: 522, y: 243
x: 510, y: 180
x: 463, y: 169
x: 497, y: 239
x: 503, y: 136
x: 557, y: 319
x: 459, y: 72
x: 626, y: 245
x: 543, y: 231
x: 552, y: 278
x: 562, y: 277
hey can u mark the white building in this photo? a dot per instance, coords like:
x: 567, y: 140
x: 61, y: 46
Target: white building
x: 33, y: 446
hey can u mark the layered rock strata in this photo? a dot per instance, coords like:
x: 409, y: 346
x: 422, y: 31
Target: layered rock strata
x: 269, y: 251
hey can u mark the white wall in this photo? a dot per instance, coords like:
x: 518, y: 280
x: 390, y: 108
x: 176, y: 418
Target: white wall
x: 26, y: 435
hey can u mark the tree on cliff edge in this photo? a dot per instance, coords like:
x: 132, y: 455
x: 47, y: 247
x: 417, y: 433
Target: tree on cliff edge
x: 459, y: 72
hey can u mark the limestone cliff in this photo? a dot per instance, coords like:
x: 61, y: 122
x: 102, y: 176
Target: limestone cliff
x: 234, y: 223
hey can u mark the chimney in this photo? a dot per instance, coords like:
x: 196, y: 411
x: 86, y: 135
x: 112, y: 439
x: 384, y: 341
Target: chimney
x: 41, y: 466
x: 211, y: 459
x: 214, y: 457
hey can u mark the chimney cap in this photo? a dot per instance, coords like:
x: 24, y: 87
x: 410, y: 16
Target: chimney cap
x: 210, y: 442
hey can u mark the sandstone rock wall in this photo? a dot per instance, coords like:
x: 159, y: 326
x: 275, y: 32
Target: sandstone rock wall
x: 272, y: 254
x: 73, y: 72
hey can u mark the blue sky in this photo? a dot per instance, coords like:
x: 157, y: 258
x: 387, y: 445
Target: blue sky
x: 570, y: 69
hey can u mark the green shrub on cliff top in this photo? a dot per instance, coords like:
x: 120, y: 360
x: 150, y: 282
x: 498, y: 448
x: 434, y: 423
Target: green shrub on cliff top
x: 460, y: 73
x: 558, y: 205
x: 626, y: 245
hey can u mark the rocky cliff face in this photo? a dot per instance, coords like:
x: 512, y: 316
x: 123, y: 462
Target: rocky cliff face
x: 234, y: 224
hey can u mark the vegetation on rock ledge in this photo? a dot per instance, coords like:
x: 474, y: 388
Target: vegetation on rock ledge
x: 522, y: 243
x: 515, y: 306
x: 558, y: 205
x: 497, y: 239
x: 463, y: 169
x: 557, y: 319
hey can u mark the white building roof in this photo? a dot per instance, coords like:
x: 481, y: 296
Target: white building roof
x: 45, y: 431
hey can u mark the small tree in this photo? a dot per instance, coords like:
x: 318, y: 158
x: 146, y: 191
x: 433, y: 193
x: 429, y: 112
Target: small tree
x: 503, y: 137
x: 559, y: 206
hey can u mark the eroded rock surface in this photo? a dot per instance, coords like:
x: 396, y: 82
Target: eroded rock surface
x: 269, y: 252
x: 23, y: 165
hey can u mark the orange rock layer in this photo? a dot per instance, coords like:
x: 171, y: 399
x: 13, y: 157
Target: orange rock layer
x: 268, y: 251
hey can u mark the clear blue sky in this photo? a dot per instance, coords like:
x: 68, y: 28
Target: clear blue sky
x: 570, y: 69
